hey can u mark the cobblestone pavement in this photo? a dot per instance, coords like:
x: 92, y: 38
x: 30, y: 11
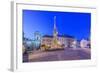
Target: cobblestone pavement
x: 59, y: 55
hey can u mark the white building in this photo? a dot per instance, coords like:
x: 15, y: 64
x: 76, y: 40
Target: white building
x: 74, y: 44
x: 84, y: 43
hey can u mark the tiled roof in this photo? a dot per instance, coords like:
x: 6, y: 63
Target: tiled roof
x: 50, y: 36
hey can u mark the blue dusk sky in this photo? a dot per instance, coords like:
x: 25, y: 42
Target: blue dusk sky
x: 75, y: 24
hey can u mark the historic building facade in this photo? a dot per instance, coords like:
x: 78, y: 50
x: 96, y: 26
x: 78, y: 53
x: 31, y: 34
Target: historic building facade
x: 65, y: 40
x: 56, y: 40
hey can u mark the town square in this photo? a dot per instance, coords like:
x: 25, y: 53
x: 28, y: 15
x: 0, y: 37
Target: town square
x: 56, y: 45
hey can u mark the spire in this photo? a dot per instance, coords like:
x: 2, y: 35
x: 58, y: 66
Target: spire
x: 55, y: 28
x: 54, y: 22
x: 55, y: 33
